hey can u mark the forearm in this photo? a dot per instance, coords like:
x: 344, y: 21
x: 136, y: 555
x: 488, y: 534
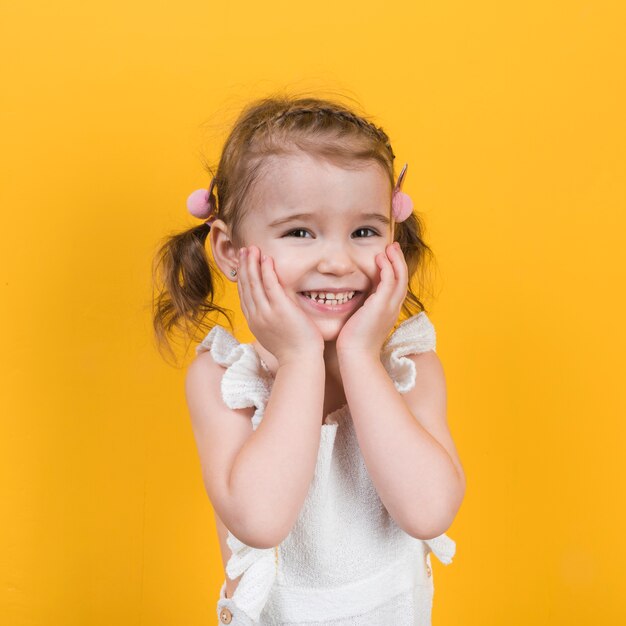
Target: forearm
x: 413, y: 474
x: 273, y: 470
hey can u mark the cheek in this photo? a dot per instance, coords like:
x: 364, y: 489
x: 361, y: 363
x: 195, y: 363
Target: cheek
x: 285, y: 272
x: 370, y: 267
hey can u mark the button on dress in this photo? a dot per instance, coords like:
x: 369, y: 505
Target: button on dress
x: 345, y: 562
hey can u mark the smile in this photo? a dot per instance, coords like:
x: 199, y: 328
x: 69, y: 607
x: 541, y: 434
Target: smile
x: 338, y: 303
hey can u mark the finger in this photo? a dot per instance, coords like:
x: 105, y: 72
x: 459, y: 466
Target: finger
x: 243, y: 285
x: 244, y: 308
x: 273, y: 289
x: 401, y: 270
x: 398, y: 262
x: 257, y: 291
x: 387, y: 276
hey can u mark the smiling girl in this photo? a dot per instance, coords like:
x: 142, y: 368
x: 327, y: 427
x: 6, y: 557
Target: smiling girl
x: 324, y: 443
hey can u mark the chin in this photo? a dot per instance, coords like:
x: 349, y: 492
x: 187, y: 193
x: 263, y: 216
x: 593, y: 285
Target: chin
x: 330, y: 329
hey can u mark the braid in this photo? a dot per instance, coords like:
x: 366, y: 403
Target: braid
x: 321, y: 111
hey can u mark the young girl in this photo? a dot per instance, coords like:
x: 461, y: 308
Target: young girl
x: 324, y: 444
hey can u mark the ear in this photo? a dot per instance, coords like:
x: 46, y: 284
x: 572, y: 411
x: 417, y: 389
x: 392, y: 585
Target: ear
x: 225, y: 253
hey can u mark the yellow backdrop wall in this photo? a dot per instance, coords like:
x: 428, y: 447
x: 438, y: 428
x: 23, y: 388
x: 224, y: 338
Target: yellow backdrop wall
x: 511, y: 115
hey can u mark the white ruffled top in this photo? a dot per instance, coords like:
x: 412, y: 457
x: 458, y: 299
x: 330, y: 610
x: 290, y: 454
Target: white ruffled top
x: 345, y: 555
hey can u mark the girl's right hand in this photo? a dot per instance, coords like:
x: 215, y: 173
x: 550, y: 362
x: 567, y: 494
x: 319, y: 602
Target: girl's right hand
x: 277, y: 322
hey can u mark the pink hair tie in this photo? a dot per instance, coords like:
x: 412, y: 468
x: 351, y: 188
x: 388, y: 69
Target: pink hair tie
x: 401, y: 203
x: 201, y: 203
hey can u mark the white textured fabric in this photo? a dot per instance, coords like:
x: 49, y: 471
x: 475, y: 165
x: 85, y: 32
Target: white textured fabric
x: 417, y: 334
x: 345, y: 561
x: 244, y: 383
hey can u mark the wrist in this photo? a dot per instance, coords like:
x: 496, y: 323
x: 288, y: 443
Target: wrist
x: 349, y: 356
x: 302, y: 358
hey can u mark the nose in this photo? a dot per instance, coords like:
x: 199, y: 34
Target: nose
x: 335, y: 258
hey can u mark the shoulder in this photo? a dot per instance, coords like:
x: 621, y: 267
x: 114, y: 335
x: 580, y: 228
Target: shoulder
x: 203, y: 388
x: 413, y: 336
x: 229, y: 374
x: 203, y: 373
x: 414, y: 342
x: 215, y: 355
x: 209, y: 412
x: 428, y: 368
x: 427, y: 397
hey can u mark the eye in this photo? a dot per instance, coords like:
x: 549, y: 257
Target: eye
x: 299, y: 233
x: 362, y: 232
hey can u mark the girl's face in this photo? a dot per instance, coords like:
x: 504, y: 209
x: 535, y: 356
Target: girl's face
x: 323, y: 226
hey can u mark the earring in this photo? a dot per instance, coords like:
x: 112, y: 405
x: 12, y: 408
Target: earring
x: 233, y: 272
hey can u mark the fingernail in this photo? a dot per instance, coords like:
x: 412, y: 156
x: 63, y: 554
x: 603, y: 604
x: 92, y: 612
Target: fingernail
x: 264, y: 257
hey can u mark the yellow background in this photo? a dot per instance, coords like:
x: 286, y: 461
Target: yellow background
x: 511, y: 115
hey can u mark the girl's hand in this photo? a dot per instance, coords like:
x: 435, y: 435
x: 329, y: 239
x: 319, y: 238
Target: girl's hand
x: 278, y: 323
x: 365, y: 332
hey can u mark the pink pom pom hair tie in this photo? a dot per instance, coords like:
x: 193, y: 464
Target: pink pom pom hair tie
x: 201, y: 203
x: 401, y: 203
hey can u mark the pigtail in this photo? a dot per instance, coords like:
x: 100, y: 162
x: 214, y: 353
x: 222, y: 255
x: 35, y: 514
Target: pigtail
x: 418, y: 255
x: 184, y: 286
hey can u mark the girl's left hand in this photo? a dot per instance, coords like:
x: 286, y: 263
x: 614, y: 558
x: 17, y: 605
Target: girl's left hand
x: 366, y: 331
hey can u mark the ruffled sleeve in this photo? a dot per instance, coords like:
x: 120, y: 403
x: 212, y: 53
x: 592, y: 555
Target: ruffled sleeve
x: 414, y: 335
x: 245, y: 382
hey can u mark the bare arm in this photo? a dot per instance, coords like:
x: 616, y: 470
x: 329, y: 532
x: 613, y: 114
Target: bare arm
x: 273, y: 470
x: 257, y: 480
x: 405, y: 442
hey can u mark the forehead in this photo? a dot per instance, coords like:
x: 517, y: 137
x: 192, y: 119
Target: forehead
x: 300, y: 182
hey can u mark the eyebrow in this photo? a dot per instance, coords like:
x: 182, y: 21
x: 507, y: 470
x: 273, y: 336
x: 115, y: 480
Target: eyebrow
x: 303, y: 216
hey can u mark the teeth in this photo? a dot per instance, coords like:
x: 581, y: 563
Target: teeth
x: 329, y: 298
